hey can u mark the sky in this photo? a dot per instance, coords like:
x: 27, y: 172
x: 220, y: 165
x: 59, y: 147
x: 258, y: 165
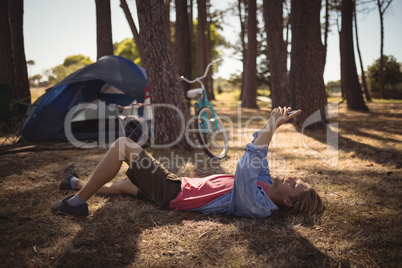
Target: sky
x: 55, y: 29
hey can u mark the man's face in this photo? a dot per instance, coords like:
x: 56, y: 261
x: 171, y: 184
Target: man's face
x: 289, y: 187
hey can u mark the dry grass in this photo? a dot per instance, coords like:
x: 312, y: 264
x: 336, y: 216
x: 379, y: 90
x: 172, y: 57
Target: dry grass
x: 361, y: 226
x: 36, y: 92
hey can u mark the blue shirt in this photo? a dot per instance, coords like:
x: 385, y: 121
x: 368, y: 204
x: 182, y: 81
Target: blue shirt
x: 246, y: 199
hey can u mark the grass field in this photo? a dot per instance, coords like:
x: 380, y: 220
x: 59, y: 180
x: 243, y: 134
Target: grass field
x: 361, y: 182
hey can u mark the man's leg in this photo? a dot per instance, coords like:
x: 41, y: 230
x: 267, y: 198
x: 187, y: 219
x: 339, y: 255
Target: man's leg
x: 124, y: 186
x: 121, y: 150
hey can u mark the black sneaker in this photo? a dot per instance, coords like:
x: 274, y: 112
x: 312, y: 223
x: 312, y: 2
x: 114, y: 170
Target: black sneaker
x: 68, y: 174
x: 62, y: 207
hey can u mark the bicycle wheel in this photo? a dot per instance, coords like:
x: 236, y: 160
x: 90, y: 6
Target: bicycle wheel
x: 214, y: 141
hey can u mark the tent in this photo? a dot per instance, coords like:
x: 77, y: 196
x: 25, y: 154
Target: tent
x: 111, y: 80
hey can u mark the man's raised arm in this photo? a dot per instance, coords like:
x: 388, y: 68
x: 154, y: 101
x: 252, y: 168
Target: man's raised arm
x: 277, y: 118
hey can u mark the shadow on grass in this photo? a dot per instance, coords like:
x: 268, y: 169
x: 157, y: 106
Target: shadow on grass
x: 382, y: 125
x: 123, y: 231
x: 106, y: 239
x: 362, y: 150
x: 115, y: 237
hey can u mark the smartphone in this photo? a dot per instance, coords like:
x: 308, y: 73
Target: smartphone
x: 292, y: 112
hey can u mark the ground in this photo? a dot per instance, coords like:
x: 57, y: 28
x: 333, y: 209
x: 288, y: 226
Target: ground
x: 361, y: 182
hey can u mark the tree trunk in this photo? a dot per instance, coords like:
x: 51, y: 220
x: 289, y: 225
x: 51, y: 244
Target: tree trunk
x: 190, y: 17
x: 343, y: 93
x: 243, y: 41
x: 6, y: 52
x: 103, y: 28
x: 165, y: 91
x: 202, y: 45
x: 382, y: 83
x: 287, y: 25
x: 127, y: 13
x: 326, y: 28
x: 364, y: 82
x: 307, y: 62
x: 209, y: 80
x: 15, y: 16
x: 249, y: 98
x: 277, y: 53
x: 349, y: 79
x: 183, y: 43
x: 167, y: 23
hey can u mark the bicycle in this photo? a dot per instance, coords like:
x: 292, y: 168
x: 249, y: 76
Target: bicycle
x: 209, y: 128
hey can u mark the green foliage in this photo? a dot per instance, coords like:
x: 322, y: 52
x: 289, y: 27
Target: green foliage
x: 263, y: 72
x: 70, y: 65
x: 217, y: 41
x: 265, y: 92
x: 30, y: 62
x: 60, y: 72
x: 235, y: 79
x: 127, y: 49
x: 392, y: 73
x: 35, y: 80
x: 333, y: 87
x: 77, y: 59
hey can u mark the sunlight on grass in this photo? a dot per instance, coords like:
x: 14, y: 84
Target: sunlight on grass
x: 228, y: 96
x: 333, y: 99
x: 263, y: 92
x: 387, y: 101
x: 36, y: 92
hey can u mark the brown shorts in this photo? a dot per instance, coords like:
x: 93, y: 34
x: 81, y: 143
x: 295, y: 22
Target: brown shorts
x: 154, y: 181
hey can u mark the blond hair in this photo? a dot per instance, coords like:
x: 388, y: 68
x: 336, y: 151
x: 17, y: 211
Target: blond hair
x: 306, y: 203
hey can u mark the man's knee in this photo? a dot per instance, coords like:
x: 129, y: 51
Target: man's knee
x: 124, y: 143
x: 127, y: 149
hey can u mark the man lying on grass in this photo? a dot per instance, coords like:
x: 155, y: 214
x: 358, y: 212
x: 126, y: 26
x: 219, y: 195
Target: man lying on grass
x: 251, y: 192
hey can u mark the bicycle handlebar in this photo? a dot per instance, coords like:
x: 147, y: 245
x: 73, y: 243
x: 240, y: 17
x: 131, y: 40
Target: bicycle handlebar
x: 201, y: 77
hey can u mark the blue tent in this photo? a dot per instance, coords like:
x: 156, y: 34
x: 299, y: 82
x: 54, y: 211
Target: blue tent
x: 112, y: 79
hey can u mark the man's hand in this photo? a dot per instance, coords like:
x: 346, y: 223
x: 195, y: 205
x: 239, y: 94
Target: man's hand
x: 280, y: 115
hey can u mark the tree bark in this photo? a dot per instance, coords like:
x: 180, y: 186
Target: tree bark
x: 249, y: 98
x: 349, y: 79
x: 103, y: 28
x: 326, y: 28
x: 209, y: 80
x: 164, y: 88
x: 183, y: 43
x: 382, y: 83
x: 243, y: 40
x: 381, y: 10
x: 21, y: 83
x: 202, y: 45
x: 127, y: 13
x: 167, y: 23
x: 190, y: 17
x: 307, y: 62
x: 277, y: 53
x: 6, y: 52
x: 364, y: 82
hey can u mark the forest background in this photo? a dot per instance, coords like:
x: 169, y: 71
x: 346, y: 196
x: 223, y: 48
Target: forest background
x: 48, y: 44
x: 360, y: 227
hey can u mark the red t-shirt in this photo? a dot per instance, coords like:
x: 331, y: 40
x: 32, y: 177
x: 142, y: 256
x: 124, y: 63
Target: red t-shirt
x: 197, y: 192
